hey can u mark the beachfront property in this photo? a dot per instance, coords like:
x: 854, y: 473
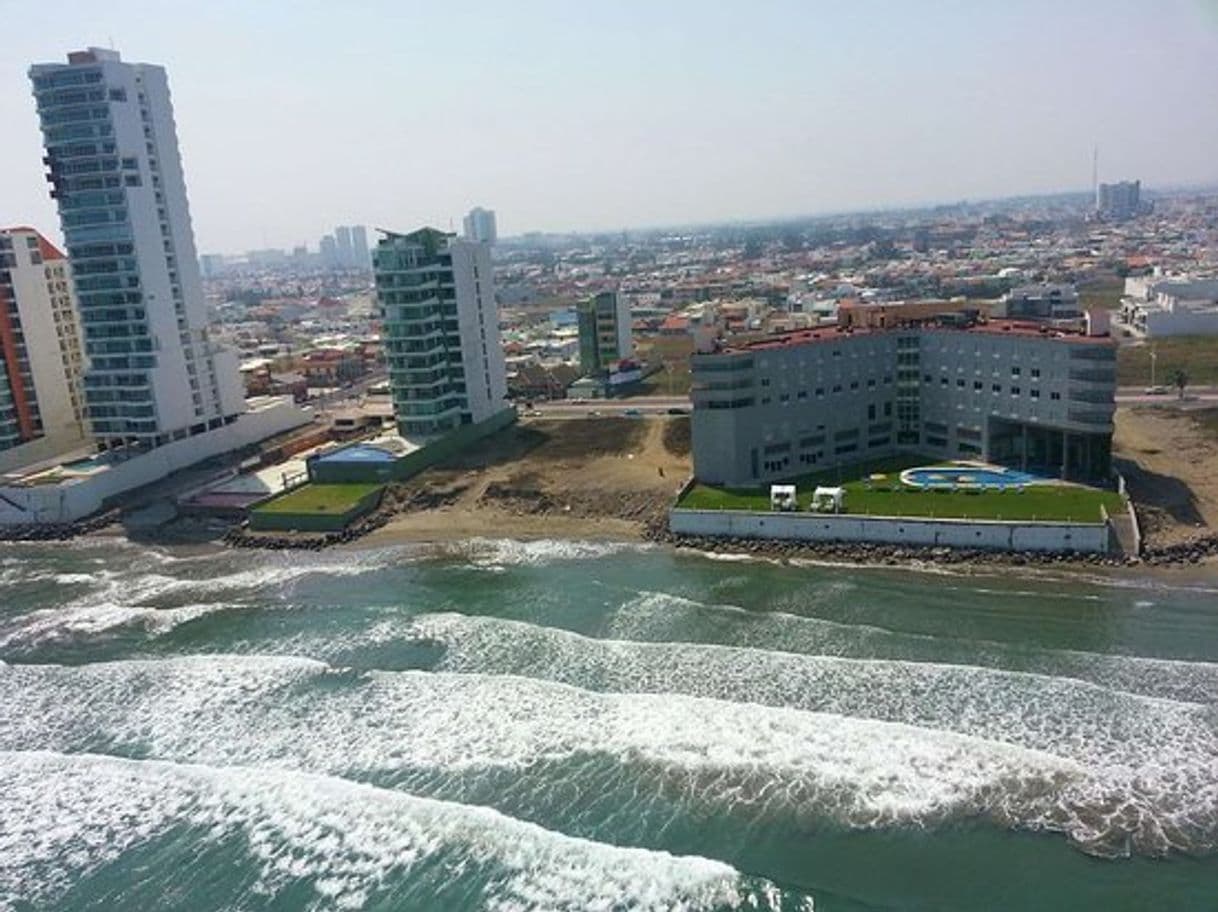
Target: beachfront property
x: 158, y: 394
x: 153, y: 376
x: 1010, y: 393
x: 41, y: 363
x: 436, y: 295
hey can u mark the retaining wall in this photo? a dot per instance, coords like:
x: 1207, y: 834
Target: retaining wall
x: 992, y: 534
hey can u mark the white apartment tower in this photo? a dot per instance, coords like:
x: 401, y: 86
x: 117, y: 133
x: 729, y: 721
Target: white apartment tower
x: 152, y: 374
x: 440, y: 329
x: 41, y: 400
x: 479, y: 225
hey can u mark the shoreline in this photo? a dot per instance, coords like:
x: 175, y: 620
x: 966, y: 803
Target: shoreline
x: 449, y: 525
x: 442, y: 532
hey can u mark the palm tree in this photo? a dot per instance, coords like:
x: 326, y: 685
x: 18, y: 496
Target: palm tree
x: 1179, y: 379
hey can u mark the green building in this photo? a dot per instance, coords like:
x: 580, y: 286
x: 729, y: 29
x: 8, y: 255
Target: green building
x: 440, y: 330
x: 604, y: 332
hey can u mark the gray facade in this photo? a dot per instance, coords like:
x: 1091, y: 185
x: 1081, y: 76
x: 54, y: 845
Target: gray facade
x: 1042, y: 302
x: 822, y: 398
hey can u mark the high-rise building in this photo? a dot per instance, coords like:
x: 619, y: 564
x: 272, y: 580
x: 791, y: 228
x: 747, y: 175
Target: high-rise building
x: 342, y: 240
x: 153, y: 374
x: 440, y: 331
x: 1119, y: 201
x: 41, y: 364
x: 480, y: 225
x: 359, y: 246
x: 328, y: 250
x: 604, y: 332
x: 211, y: 265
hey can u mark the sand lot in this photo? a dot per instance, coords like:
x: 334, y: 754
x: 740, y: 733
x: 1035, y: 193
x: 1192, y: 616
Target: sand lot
x: 594, y: 478
x: 1170, y: 461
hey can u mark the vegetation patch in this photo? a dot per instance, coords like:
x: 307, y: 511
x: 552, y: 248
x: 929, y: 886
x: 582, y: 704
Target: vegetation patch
x: 319, y: 499
x: 1197, y: 356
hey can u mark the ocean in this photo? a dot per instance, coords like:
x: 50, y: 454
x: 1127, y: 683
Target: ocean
x: 575, y: 726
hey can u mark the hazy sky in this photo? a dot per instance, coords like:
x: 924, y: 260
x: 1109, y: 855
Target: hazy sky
x: 296, y: 116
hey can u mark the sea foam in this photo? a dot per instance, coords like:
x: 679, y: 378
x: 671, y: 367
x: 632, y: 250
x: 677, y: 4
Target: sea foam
x: 455, y: 733
x: 66, y: 816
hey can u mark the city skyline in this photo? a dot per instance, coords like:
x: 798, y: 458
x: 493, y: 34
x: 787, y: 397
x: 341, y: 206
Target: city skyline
x: 626, y: 118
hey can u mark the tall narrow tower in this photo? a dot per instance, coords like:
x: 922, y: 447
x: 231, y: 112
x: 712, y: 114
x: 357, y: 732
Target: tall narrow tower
x: 153, y: 375
x: 1095, y: 174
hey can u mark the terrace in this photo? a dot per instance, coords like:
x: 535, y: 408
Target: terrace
x: 875, y: 489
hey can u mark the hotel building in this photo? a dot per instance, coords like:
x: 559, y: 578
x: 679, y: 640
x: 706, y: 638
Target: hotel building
x: 440, y: 330
x: 1012, y: 393
x: 41, y: 400
x: 153, y: 376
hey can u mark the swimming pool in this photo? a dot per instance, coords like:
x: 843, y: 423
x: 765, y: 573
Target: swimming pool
x: 359, y: 452
x: 965, y: 476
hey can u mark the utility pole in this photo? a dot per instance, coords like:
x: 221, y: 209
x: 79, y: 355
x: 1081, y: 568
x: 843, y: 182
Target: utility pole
x: 1153, y: 358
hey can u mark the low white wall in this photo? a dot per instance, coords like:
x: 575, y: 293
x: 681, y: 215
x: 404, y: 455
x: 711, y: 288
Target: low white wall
x: 77, y: 498
x: 953, y: 533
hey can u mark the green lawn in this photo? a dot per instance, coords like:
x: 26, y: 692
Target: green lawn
x: 1197, y: 356
x: 319, y: 498
x: 1037, y: 502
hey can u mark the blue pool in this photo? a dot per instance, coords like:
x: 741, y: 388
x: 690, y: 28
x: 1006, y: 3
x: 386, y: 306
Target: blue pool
x: 358, y: 453
x: 965, y: 475
x: 88, y: 462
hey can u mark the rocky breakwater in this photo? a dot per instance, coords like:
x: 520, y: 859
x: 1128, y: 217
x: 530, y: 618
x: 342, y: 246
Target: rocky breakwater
x: 1191, y: 551
x: 58, y: 531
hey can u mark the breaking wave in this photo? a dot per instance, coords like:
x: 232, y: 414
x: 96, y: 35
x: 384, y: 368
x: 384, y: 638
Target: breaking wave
x: 521, y: 743
x: 326, y: 842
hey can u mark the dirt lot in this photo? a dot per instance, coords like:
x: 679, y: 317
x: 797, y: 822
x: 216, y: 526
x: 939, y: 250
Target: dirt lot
x: 601, y: 478
x: 1170, y: 461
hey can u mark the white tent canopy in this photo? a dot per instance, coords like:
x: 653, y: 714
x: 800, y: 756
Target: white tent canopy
x: 829, y: 500
x: 782, y: 497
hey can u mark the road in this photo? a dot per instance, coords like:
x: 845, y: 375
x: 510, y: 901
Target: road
x: 644, y: 405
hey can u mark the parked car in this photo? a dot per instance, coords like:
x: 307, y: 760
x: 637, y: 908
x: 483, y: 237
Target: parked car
x: 1156, y: 391
x: 632, y: 413
x: 678, y: 411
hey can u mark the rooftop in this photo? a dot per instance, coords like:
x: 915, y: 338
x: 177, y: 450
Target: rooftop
x: 989, y: 327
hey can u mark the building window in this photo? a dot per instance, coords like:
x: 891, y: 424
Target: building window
x: 1055, y: 396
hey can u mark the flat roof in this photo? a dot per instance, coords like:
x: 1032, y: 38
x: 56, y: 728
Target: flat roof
x: 834, y: 333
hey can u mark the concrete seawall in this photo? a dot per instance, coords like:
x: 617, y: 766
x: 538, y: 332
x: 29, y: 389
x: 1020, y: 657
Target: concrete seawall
x: 76, y: 497
x: 816, y: 527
